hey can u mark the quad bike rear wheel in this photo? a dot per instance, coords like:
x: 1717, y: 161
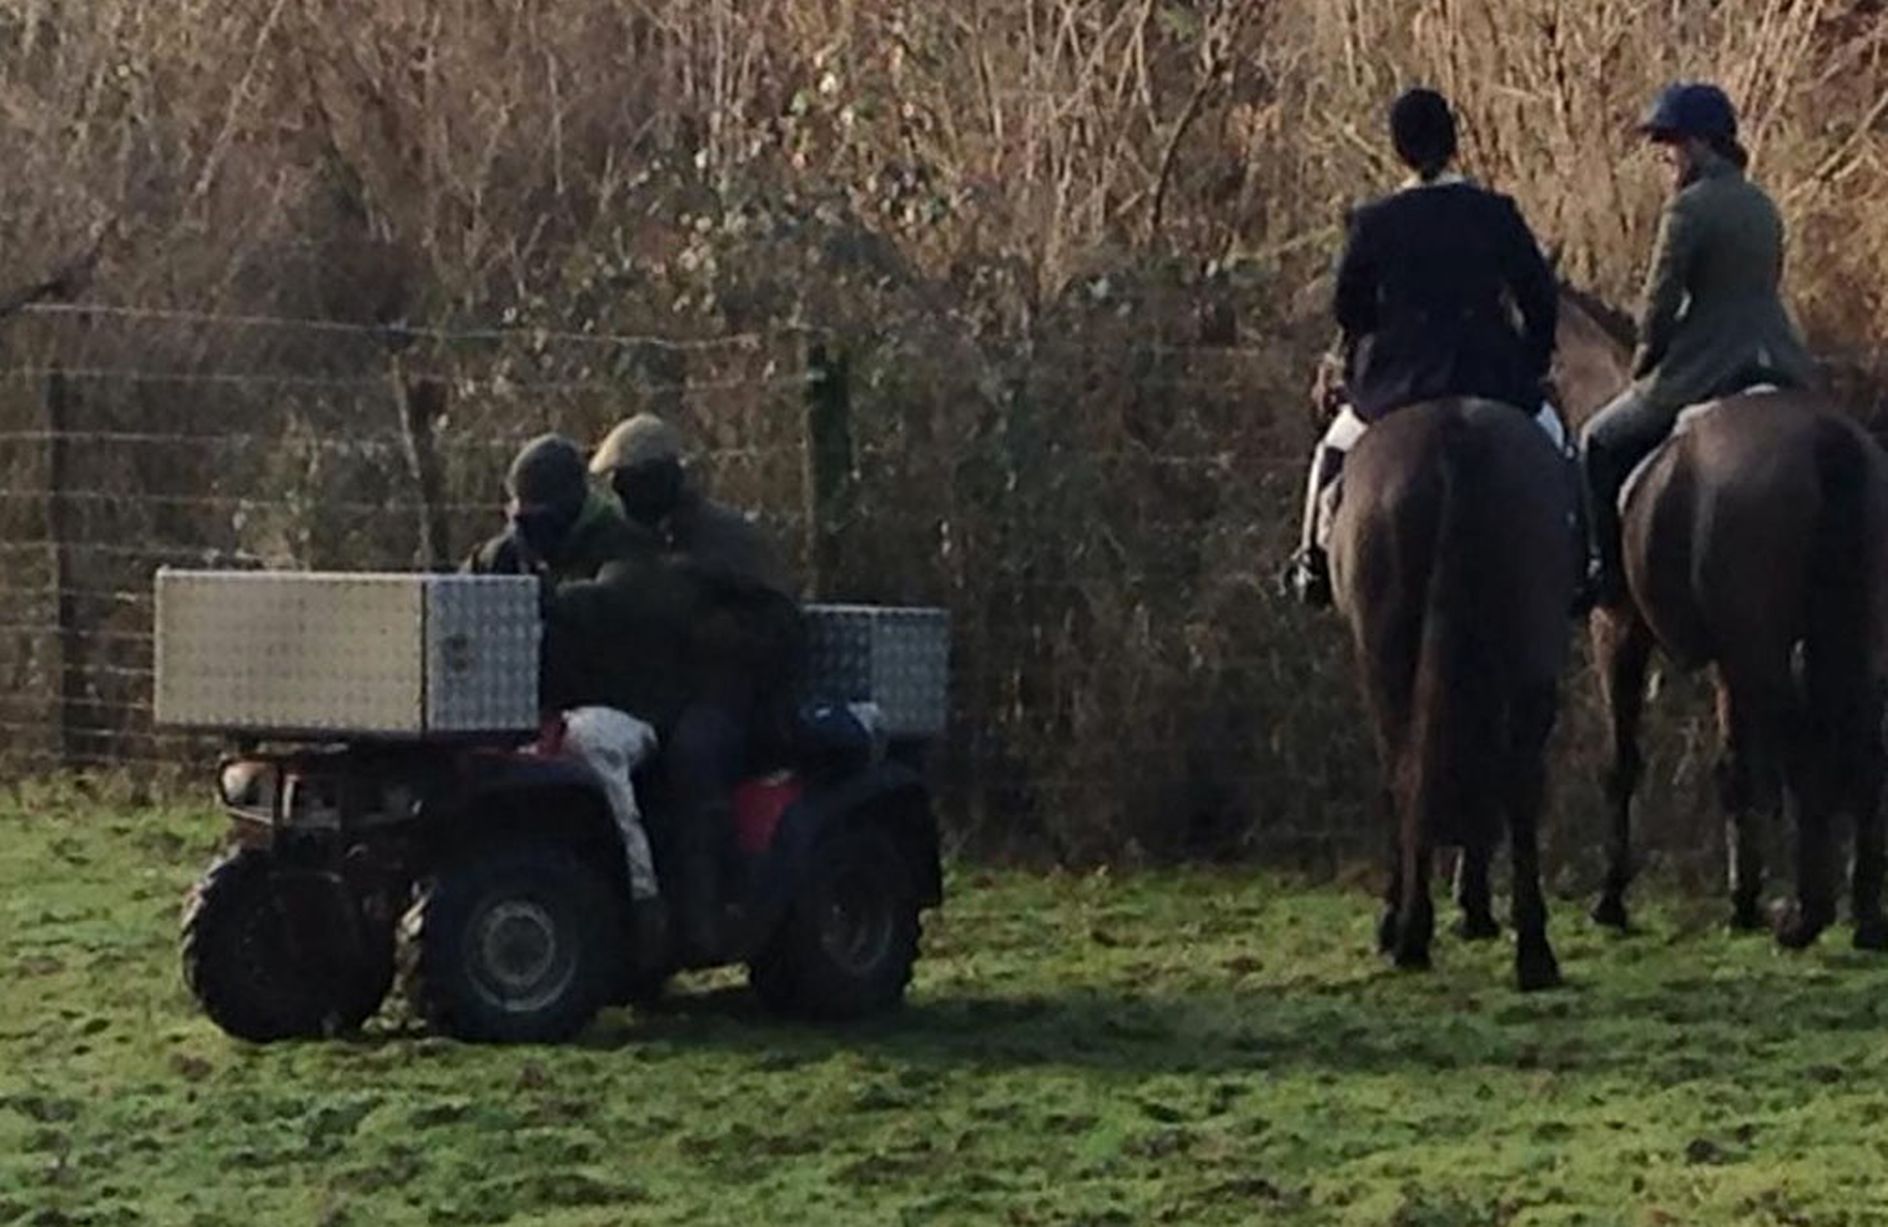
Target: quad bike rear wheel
x: 849, y: 942
x: 242, y: 962
x: 516, y: 943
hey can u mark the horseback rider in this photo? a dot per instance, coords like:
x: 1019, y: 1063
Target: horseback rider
x: 1712, y: 322
x: 1423, y: 298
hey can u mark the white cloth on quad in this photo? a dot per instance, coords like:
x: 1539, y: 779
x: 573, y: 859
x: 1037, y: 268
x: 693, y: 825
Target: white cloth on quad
x: 613, y: 744
x: 1346, y: 428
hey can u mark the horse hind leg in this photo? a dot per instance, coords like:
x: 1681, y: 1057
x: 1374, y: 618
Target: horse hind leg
x: 1409, y: 926
x: 1865, y: 876
x: 1416, y: 919
x: 1835, y: 766
x: 1810, y: 741
x: 1810, y: 791
x: 1845, y: 759
x: 1472, y: 892
x: 1393, y: 888
x: 1623, y: 646
x: 1850, y: 762
x: 1751, y: 718
x: 1524, y: 785
x: 1867, y: 769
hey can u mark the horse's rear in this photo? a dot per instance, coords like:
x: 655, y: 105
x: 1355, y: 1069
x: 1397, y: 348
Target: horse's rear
x: 1755, y: 541
x: 1453, y: 563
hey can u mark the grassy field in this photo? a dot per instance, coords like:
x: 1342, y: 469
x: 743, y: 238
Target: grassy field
x: 1186, y: 1048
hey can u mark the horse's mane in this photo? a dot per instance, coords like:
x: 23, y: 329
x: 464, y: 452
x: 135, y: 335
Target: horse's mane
x: 1616, y: 324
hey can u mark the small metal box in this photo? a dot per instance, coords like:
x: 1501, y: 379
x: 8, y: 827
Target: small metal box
x: 289, y: 653
x: 897, y: 658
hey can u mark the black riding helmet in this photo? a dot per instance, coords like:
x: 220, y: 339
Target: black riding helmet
x: 548, y: 485
x: 1423, y: 129
x: 1691, y: 109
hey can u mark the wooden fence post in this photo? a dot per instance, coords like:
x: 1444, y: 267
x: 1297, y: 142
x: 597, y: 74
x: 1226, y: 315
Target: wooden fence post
x: 831, y: 483
x: 420, y: 403
x: 59, y: 531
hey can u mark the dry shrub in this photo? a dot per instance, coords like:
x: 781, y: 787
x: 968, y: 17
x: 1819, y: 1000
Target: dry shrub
x: 1073, y: 252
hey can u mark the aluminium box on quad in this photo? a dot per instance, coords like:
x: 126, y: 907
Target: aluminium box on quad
x: 897, y: 658
x: 320, y: 654
x: 286, y: 654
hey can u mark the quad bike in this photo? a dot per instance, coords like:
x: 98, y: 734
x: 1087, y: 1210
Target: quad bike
x: 490, y: 877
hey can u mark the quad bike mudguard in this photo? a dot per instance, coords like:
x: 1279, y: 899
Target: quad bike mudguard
x: 551, y: 795
x: 887, y: 792
x: 492, y: 780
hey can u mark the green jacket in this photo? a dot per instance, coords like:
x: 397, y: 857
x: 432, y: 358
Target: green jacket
x: 601, y: 535
x: 1712, y: 314
x: 619, y: 620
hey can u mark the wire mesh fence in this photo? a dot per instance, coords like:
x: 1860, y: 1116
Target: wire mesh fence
x: 1103, y: 520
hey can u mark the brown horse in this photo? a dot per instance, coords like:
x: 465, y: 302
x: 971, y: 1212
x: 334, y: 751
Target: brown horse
x: 1756, y: 542
x: 1453, y: 564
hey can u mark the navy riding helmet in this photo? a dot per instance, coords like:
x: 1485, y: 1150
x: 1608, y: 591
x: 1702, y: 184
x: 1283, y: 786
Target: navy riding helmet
x: 1691, y: 108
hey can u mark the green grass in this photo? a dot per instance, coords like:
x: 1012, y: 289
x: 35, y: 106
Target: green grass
x: 1186, y: 1048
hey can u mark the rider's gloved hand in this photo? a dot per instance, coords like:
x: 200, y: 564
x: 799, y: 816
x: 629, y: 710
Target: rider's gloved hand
x: 1328, y: 394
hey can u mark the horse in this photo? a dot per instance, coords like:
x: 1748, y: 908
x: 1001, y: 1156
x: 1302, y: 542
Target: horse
x: 1452, y: 564
x: 1755, y: 543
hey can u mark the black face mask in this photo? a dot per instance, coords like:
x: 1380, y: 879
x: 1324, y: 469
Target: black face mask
x: 543, y: 528
x: 649, y: 491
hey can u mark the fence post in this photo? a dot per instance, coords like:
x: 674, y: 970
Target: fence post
x: 663, y: 370
x: 420, y: 403
x: 830, y: 478
x: 72, y: 665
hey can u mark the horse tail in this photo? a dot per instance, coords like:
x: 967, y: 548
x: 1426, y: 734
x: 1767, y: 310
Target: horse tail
x: 1453, y: 712
x: 1838, y: 643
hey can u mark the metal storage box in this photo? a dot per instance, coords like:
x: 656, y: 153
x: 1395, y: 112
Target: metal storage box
x: 289, y: 653
x: 897, y: 658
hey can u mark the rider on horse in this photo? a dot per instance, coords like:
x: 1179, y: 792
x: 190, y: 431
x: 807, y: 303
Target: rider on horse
x: 1712, y: 322
x: 1423, y: 301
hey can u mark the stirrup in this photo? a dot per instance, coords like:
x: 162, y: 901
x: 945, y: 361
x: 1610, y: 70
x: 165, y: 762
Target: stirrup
x: 1605, y: 587
x: 1308, y: 578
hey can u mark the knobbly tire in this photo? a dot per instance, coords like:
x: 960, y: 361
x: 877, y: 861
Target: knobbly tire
x: 244, y: 970
x: 515, y: 944
x: 849, y: 941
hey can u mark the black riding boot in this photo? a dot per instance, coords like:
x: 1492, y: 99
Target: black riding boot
x: 698, y: 888
x: 1585, y: 566
x: 649, y: 923
x: 1606, y: 582
x: 1308, y: 575
x: 1607, y: 567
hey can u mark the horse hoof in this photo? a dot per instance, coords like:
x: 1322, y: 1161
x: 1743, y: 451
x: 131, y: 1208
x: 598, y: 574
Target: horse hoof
x: 1411, y: 960
x: 1476, y: 928
x: 1611, y: 914
x: 1798, y: 929
x: 1535, y: 972
x: 1746, y: 919
x: 1871, y: 935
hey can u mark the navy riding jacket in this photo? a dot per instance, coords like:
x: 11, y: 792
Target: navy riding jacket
x: 1428, y: 291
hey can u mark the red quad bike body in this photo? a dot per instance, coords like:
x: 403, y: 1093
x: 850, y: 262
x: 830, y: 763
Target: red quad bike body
x: 491, y: 879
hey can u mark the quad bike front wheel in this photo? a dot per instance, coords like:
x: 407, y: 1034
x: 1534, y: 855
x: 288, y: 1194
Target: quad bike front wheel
x: 513, y: 944
x: 849, y: 942
x: 243, y: 963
